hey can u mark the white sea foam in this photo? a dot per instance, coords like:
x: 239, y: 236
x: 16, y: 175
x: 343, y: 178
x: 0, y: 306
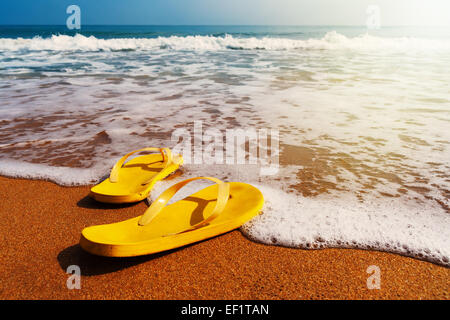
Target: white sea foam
x: 63, y: 176
x: 386, y: 224
x: 331, y: 41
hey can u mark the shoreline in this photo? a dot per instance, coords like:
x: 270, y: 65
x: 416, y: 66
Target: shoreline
x: 41, y: 224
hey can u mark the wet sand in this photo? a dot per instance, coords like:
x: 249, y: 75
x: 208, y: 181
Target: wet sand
x: 40, y: 227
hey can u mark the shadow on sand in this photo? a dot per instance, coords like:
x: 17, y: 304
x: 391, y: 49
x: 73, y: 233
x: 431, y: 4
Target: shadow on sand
x: 89, y: 203
x: 92, y: 265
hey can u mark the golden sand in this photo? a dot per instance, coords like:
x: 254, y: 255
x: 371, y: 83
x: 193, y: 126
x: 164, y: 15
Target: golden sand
x: 40, y: 227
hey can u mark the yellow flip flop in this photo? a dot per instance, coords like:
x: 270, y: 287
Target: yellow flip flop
x: 209, y: 212
x: 133, y: 181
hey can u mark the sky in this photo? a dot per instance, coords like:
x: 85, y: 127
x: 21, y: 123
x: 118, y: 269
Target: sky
x: 227, y: 12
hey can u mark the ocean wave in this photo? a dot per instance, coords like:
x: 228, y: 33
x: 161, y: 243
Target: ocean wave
x: 331, y: 41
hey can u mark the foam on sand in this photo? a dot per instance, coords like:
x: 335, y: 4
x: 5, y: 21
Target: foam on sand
x: 63, y: 176
x: 384, y: 224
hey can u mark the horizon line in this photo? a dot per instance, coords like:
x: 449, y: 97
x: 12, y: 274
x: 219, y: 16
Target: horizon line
x: 228, y: 25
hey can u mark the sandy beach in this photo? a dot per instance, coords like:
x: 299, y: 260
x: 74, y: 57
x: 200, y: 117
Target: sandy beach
x: 41, y: 224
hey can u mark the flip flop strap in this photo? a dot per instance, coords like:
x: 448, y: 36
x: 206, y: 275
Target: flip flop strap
x: 158, y: 205
x: 114, y: 176
x: 176, y: 159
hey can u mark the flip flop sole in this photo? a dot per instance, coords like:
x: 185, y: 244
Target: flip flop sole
x: 128, y: 238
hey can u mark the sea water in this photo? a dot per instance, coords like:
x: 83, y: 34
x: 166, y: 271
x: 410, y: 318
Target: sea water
x: 363, y: 116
